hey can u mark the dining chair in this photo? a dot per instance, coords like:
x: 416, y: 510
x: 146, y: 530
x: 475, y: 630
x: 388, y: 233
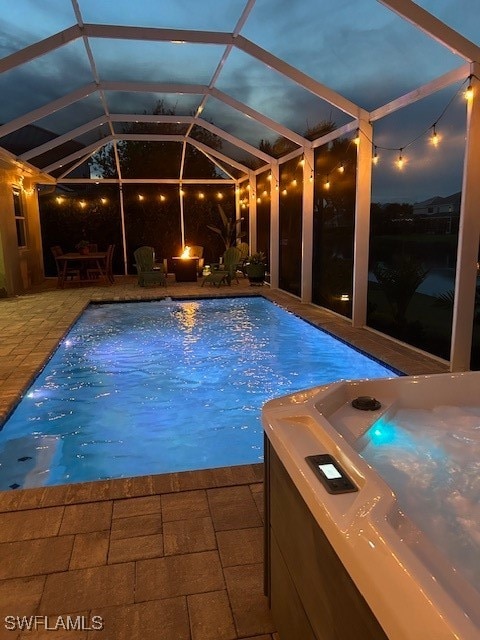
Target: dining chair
x: 64, y: 271
x: 196, y: 251
x: 95, y: 272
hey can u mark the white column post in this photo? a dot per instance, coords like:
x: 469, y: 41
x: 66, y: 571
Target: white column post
x: 124, y: 235
x: 468, y: 237
x: 182, y: 219
x: 252, y: 207
x: 362, y: 224
x: 307, y: 226
x: 274, y: 225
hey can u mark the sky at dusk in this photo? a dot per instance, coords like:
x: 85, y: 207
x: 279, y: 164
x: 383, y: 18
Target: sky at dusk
x: 359, y: 48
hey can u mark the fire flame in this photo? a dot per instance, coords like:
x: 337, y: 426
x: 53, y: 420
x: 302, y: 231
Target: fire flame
x: 186, y: 252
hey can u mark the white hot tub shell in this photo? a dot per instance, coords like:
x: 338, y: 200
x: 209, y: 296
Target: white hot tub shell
x: 408, y: 584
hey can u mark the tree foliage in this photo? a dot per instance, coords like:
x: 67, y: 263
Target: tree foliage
x: 149, y: 159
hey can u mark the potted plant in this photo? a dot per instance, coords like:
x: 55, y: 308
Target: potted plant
x: 83, y: 247
x: 255, y: 267
x: 230, y: 231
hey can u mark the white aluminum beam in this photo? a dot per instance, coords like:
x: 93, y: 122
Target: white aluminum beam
x: 148, y: 117
x: 289, y: 156
x: 333, y: 135
x: 66, y: 137
x: 217, y: 163
x: 219, y: 181
x: 421, y: 92
x: 154, y: 87
x: 234, y: 140
x: 434, y: 28
x: 86, y: 151
x: 149, y: 137
x: 468, y: 239
x: 256, y: 115
x: 74, y: 166
x: 307, y: 227
x: 361, y: 242
x: 51, y: 107
x: 38, y: 49
x: 217, y: 154
x: 300, y: 78
x: 156, y: 34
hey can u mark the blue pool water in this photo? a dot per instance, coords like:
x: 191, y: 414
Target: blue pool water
x: 153, y: 387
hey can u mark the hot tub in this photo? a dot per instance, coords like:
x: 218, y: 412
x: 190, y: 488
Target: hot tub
x: 408, y: 537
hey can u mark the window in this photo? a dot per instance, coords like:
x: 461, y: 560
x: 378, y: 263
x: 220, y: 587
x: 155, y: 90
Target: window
x: 19, y: 218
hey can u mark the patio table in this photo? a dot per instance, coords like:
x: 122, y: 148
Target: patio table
x: 97, y: 259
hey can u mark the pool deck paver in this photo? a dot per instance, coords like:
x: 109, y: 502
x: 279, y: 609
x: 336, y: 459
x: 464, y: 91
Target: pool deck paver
x: 169, y: 557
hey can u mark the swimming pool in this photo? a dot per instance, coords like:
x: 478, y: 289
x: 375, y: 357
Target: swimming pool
x: 153, y: 387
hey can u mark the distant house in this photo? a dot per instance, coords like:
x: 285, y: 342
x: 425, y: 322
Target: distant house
x: 437, y: 214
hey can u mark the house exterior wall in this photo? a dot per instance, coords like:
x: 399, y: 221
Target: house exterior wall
x: 20, y: 267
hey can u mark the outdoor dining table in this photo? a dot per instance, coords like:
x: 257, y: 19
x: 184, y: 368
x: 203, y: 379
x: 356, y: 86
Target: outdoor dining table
x: 95, y: 259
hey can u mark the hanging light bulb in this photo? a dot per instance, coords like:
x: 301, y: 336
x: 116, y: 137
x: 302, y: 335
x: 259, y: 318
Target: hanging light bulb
x: 327, y: 183
x: 469, y: 89
x: 311, y: 176
x: 435, y: 138
x: 284, y: 192
x: 375, y: 156
x: 356, y: 140
x: 162, y: 198
x: 140, y: 197
x: 294, y: 183
x: 302, y: 162
x: 341, y: 168
x: 400, y: 160
x: 103, y: 200
x: 201, y: 195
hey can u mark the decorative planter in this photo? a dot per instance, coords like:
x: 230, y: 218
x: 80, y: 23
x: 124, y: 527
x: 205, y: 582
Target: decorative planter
x: 256, y: 273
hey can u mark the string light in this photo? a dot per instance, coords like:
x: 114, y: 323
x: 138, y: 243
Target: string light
x: 284, y: 192
x: 103, y: 200
x: 327, y: 183
x: 434, y: 136
x: 201, y: 195
x: 341, y: 168
x: 356, y: 140
x: 469, y: 90
x: 140, y: 197
x: 294, y: 183
x: 162, y: 198
x: 82, y: 204
x: 59, y: 200
x: 301, y: 162
x: 400, y: 160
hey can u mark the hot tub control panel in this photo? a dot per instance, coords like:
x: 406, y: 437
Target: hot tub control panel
x: 332, y: 476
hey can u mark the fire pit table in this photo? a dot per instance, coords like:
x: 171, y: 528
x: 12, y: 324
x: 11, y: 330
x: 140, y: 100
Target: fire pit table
x: 185, y: 269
